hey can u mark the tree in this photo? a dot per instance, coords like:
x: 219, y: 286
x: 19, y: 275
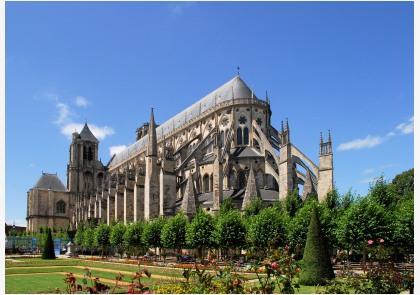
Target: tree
x: 199, y: 232
x: 297, y: 228
x: 316, y: 263
x: 48, y: 252
x: 380, y: 192
x: 152, y: 233
x: 267, y: 230
x: 173, y: 232
x: 230, y: 230
x: 254, y: 207
x: 88, y: 239
x: 102, y: 233
x: 116, y: 237
x: 403, y: 184
x: 293, y: 203
x: 133, y: 238
x: 226, y: 206
x: 78, y: 238
x: 362, y: 221
x: 403, y: 225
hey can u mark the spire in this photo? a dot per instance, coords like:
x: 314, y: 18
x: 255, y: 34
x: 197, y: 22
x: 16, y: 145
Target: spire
x: 251, y: 191
x: 267, y: 100
x: 152, y: 140
x: 329, y: 136
x: 282, y: 126
x: 87, y: 135
x: 321, y: 140
x: 287, y: 124
x: 188, y: 204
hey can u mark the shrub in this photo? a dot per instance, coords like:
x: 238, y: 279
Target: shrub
x: 116, y: 238
x: 48, y: 252
x: 316, y: 263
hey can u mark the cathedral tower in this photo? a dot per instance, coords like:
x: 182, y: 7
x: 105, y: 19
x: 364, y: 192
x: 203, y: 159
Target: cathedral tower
x: 83, y: 163
x: 151, y: 185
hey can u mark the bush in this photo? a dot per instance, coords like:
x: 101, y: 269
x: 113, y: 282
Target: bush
x: 316, y: 263
x: 48, y: 252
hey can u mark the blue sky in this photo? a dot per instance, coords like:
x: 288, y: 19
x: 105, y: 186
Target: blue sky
x: 346, y: 66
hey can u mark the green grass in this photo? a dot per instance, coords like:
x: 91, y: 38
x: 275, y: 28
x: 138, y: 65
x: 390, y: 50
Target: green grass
x: 35, y: 283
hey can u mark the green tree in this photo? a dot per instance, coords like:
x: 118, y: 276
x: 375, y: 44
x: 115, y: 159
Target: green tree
x: 254, y: 207
x: 381, y: 194
x: 297, y: 228
x: 88, y: 239
x: 78, y: 238
x: 226, y: 206
x: 403, y: 225
x: 267, y: 230
x: 173, y: 232
x: 316, y: 263
x: 362, y: 221
x: 292, y: 203
x: 152, y: 233
x: 116, y: 238
x: 48, y: 252
x: 403, y: 184
x: 133, y: 239
x: 230, y: 231
x: 102, y: 233
x: 199, y: 232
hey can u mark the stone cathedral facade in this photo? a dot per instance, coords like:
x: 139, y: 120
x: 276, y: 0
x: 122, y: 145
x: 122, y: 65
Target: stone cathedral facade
x: 223, y: 146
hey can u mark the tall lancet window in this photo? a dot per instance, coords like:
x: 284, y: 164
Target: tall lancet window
x: 239, y: 136
x: 246, y: 136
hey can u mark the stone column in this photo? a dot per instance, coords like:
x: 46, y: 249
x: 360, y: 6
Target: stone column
x: 110, y: 206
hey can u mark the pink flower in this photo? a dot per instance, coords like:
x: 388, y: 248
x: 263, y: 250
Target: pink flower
x: 275, y: 265
x: 370, y: 242
x: 381, y: 241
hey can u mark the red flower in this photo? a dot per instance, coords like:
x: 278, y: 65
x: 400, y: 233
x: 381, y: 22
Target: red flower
x: 275, y: 265
x: 370, y: 242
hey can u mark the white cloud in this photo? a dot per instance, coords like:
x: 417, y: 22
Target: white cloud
x: 369, y: 180
x: 406, y: 127
x: 99, y: 132
x: 116, y: 149
x: 63, y: 113
x: 371, y: 141
x: 81, y: 101
x: 361, y: 143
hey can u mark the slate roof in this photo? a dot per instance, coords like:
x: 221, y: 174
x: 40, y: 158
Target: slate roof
x: 50, y: 181
x: 87, y: 135
x: 233, y: 89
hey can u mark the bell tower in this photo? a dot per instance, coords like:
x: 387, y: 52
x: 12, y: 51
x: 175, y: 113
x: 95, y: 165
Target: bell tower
x: 83, y: 162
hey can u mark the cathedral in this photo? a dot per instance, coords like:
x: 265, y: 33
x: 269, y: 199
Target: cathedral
x: 223, y: 146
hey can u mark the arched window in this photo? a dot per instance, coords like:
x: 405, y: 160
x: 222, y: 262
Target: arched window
x: 211, y: 183
x: 246, y: 136
x: 239, y: 136
x: 60, y: 207
x: 85, y: 153
x: 206, y: 184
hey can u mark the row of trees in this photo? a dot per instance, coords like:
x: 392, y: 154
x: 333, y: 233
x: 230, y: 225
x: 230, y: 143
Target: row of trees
x: 348, y: 222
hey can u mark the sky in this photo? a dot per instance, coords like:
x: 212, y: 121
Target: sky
x: 345, y: 66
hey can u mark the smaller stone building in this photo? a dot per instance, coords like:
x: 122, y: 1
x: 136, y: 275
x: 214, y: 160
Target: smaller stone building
x: 48, y: 204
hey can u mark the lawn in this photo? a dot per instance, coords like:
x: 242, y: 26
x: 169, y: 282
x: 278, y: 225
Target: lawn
x: 34, y: 275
